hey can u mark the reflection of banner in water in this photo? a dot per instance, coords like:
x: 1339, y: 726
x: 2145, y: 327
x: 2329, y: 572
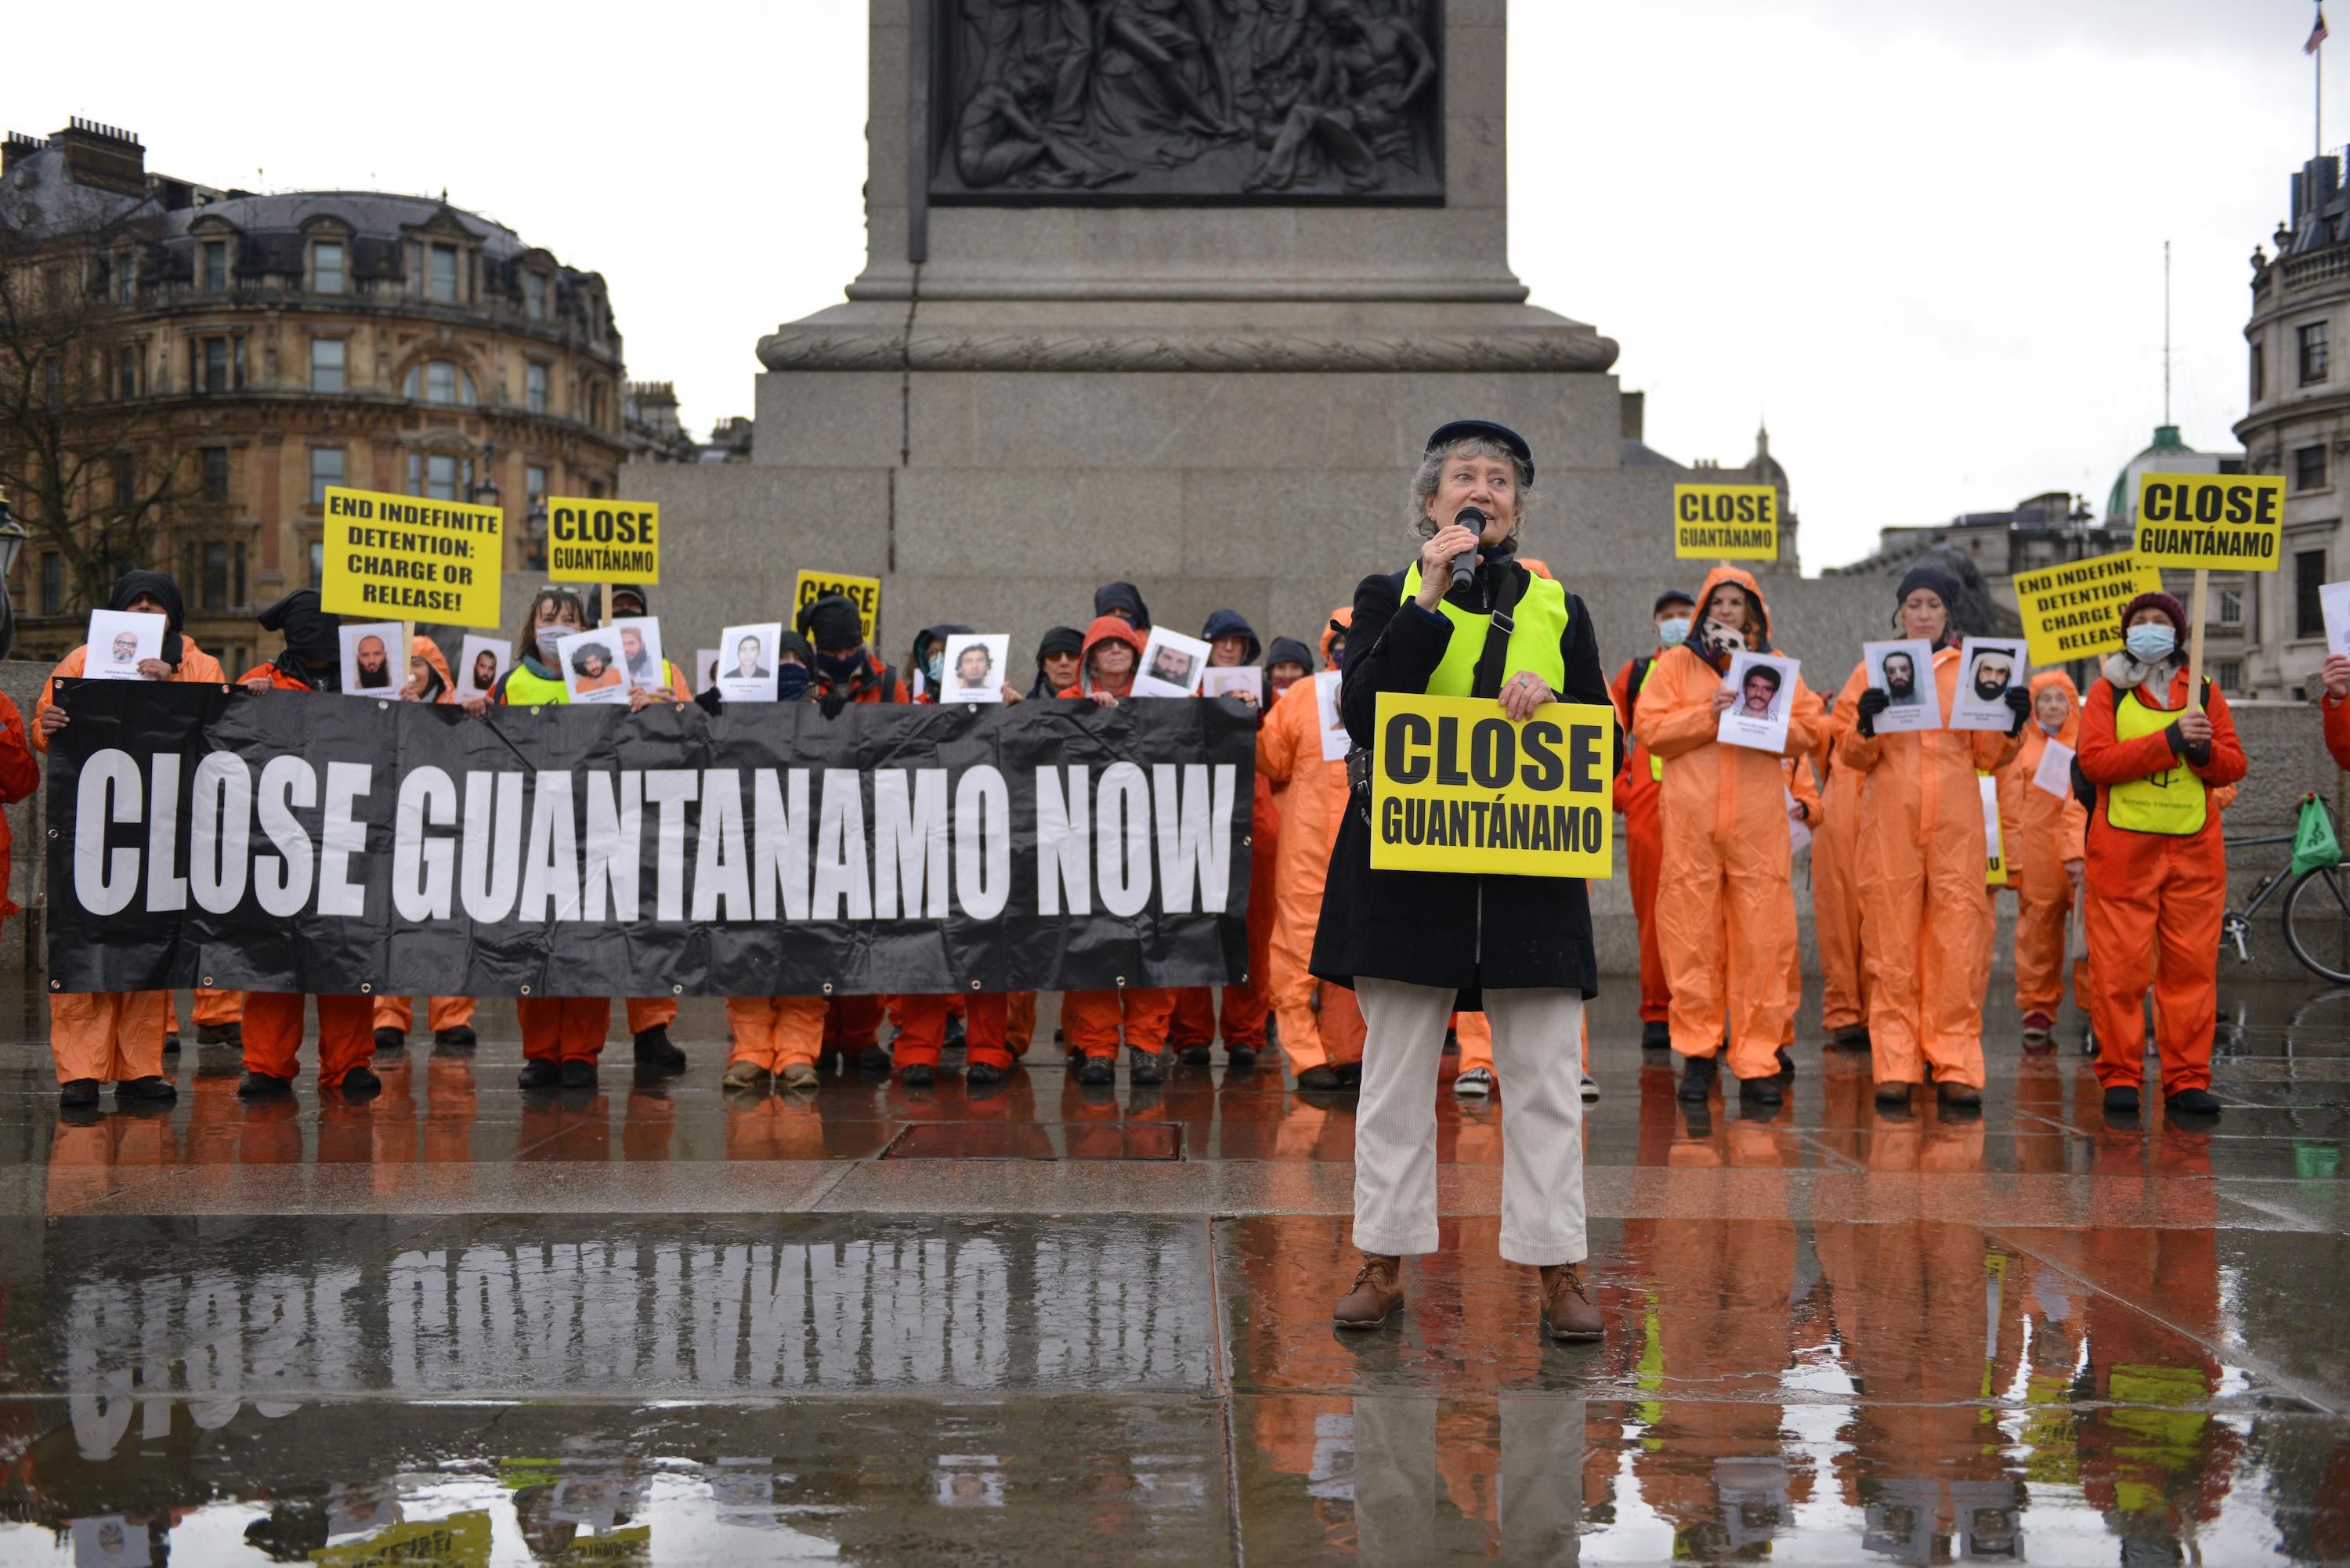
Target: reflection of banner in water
x: 202, y: 838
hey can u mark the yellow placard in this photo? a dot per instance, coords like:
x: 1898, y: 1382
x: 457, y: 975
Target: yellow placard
x: 463, y: 1538
x: 1726, y: 522
x: 2074, y: 610
x: 2228, y: 521
x: 401, y: 557
x: 864, y: 593
x: 603, y: 541
x: 1458, y: 787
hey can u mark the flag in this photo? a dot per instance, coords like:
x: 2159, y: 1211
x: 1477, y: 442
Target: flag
x: 2317, y: 35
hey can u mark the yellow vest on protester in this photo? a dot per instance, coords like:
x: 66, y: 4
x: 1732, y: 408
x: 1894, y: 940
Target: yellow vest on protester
x: 2171, y: 802
x: 526, y: 688
x: 1537, y: 627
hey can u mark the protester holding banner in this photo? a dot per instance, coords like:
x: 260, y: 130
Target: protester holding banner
x: 1727, y: 918
x: 1058, y: 653
x: 2156, y: 868
x: 1635, y: 801
x: 1191, y: 1028
x: 1092, y: 1020
x: 116, y: 1036
x: 451, y: 1018
x: 311, y: 661
x: 1311, y: 794
x: 1415, y: 945
x: 2041, y: 837
x: 1926, y: 939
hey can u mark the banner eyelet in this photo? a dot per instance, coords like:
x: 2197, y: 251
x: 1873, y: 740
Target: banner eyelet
x: 974, y: 985
x: 382, y: 706
x: 677, y: 990
x: 524, y: 991
x: 1121, y: 982
x: 56, y: 986
x: 827, y: 988
x: 208, y: 979
x: 366, y: 989
x: 53, y: 833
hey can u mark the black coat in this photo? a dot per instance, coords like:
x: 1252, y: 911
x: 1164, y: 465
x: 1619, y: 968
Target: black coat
x: 1465, y: 931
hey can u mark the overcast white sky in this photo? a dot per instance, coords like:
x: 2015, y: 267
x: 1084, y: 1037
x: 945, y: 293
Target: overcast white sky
x: 1925, y: 239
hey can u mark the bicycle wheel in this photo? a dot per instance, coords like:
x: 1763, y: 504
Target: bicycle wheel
x: 2317, y: 922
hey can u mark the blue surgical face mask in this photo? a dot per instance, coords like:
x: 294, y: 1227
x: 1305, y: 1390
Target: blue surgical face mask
x: 791, y: 682
x: 1674, y: 632
x: 934, y: 667
x: 2150, y: 644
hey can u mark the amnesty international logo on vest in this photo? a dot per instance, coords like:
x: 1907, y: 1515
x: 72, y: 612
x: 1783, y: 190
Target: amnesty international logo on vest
x: 1458, y: 787
x: 2228, y: 521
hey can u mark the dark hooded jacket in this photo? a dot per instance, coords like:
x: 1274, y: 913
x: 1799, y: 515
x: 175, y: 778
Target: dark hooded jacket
x: 1057, y: 640
x: 1229, y: 623
x: 1124, y: 601
x: 313, y: 654
x: 1463, y: 930
x: 1289, y: 651
x: 131, y: 583
x: 596, y: 601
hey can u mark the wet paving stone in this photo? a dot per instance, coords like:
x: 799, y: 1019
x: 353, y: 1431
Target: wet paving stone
x: 1038, y: 1140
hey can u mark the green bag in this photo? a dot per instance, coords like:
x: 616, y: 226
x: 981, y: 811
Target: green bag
x: 2313, y: 844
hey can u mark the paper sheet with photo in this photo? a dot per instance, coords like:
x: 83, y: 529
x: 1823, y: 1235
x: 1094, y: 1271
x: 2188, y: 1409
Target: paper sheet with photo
x: 2334, y: 598
x: 1761, y: 692
x: 1336, y: 742
x: 374, y: 662
x: 1916, y: 701
x: 1995, y: 852
x: 641, y: 664
x: 705, y: 670
x: 1988, y: 667
x: 591, y: 667
x: 746, y: 661
x: 1171, y: 665
x: 973, y: 663
x: 480, y: 664
x: 2055, y: 773
x: 1246, y: 681
x: 118, y: 640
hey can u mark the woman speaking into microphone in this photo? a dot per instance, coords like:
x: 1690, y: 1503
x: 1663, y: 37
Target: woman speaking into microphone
x: 1465, y: 619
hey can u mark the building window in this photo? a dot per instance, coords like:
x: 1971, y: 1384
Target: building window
x: 214, y: 471
x: 2227, y: 674
x: 325, y: 364
x: 126, y: 479
x: 533, y: 294
x: 214, y: 273
x: 211, y: 578
x: 534, y: 385
x: 326, y: 469
x: 2231, y: 606
x: 439, y: 381
x: 444, y: 273
x: 534, y: 482
x: 212, y: 354
x: 438, y: 478
x: 53, y: 582
x: 126, y: 372
x: 126, y: 278
x: 326, y: 266
x: 2312, y: 353
x: 2308, y: 607
x: 2309, y: 468
x: 2259, y: 371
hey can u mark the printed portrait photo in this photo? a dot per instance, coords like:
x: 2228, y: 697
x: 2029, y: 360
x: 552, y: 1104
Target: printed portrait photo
x: 591, y: 667
x: 974, y: 661
x: 1761, y: 688
x: 480, y: 666
x: 1171, y: 665
x: 746, y: 661
x: 1988, y: 667
x: 368, y: 667
x: 640, y: 652
x: 1903, y: 668
x: 118, y: 641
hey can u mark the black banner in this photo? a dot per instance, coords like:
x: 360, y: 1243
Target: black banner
x: 292, y: 841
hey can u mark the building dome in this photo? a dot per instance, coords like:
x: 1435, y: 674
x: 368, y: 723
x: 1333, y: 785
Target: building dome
x: 2166, y: 451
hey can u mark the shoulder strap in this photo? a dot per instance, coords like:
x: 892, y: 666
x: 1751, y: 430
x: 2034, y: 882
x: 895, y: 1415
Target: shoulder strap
x: 1487, y: 682
x: 1640, y: 668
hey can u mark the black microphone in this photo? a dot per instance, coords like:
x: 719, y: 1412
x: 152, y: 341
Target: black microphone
x: 1464, y: 565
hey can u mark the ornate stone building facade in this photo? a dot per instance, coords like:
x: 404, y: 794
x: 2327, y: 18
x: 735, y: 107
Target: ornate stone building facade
x: 272, y: 346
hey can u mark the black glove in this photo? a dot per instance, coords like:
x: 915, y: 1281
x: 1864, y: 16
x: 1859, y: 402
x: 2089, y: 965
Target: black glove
x: 2019, y: 702
x: 1872, y: 701
x: 833, y: 701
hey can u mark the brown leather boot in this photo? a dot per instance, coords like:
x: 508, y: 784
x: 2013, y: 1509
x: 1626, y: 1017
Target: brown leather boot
x: 1566, y: 1305
x: 1379, y: 1291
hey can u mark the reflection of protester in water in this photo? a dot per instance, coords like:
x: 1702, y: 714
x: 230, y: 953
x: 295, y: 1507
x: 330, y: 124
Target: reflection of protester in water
x: 374, y: 663
x: 1900, y: 680
x: 1171, y: 665
x: 746, y: 660
x: 1761, y: 688
x: 973, y: 667
x: 1994, y: 669
x: 592, y: 662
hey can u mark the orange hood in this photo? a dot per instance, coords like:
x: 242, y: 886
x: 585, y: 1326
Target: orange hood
x: 2070, y: 733
x: 1343, y: 615
x: 1757, y: 640
x: 425, y: 649
x: 1107, y: 629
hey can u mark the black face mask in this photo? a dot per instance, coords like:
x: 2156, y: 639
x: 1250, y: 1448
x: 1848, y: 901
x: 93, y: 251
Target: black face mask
x: 791, y: 682
x: 841, y: 666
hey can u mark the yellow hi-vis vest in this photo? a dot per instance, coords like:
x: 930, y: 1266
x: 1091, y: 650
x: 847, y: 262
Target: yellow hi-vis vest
x: 526, y: 688
x: 1537, y: 627
x: 2172, y: 801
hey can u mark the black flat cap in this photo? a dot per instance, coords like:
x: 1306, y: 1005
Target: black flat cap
x: 1468, y: 430
x: 1672, y: 597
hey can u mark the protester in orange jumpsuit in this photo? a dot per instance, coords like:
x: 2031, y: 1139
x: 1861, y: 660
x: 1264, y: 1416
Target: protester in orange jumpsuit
x: 648, y: 1017
x: 451, y: 1018
x: 1836, y: 897
x: 1636, y: 797
x: 1808, y: 810
x: 1092, y: 1019
x: 2041, y: 840
x: 2157, y: 870
x: 1312, y: 799
x: 312, y: 662
x: 1926, y: 940
x: 116, y: 1036
x: 1231, y: 644
x: 2337, y: 678
x: 1729, y: 915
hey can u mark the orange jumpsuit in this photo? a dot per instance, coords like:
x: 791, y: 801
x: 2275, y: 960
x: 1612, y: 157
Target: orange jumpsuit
x: 112, y: 1036
x: 2159, y: 888
x: 2038, y: 834
x: 273, y: 1019
x: 1927, y: 939
x: 1637, y: 790
x: 1836, y: 899
x: 1728, y: 915
x: 775, y: 1031
x: 1807, y: 795
x: 443, y: 1012
x: 2337, y: 727
x: 1312, y: 797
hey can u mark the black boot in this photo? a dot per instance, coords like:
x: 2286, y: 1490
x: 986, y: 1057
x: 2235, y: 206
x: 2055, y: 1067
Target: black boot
x: 1761, y: 1091
x: 262, y: 1086
x: 1145, y: 1067
x: 75, y: 1094
x: 654, y: 1049
x: 539, y: 1072
x: 1697, y: 1077
x: 1655, y: 1035
x: 147, y: 1088
x: 579, y: 1074
x: 390, y: 1040
x: 460, y: 1038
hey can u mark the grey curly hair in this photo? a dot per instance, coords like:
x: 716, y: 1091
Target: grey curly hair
x: 1425, y: 481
